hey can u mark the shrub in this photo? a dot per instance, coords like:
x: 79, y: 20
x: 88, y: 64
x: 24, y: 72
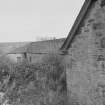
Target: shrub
x: 55, y: 69
x: 32, y: 83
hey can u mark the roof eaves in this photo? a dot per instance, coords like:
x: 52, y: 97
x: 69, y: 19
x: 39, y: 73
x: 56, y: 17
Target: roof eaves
x: 67, y: 43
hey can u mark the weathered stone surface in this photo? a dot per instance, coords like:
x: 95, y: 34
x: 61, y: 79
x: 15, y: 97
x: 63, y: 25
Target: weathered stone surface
x: 85, y: 67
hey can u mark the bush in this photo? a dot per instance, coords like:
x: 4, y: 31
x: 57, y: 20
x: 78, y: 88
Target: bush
x: 32, y: 83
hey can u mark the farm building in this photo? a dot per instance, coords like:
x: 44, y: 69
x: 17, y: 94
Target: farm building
x: 34, y: 51
x: 84, y: 51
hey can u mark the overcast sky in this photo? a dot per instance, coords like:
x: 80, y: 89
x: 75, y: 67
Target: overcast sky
x: 29, y: 20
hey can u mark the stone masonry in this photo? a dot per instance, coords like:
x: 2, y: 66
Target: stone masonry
x: 85, y: 61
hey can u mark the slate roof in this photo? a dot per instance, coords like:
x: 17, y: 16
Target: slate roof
x: 40, y: 47
x: 85, y: 8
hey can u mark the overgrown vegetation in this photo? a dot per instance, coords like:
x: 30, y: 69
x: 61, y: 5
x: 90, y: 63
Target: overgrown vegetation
x: 34, y: 84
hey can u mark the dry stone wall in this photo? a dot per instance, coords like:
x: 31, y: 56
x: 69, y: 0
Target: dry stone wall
x: 85, y: 62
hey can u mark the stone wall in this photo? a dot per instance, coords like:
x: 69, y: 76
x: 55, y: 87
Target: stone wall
x: 85, y: 62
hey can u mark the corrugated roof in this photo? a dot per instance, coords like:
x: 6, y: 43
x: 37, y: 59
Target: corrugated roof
x: 40, y: 47
x: 20, y: 49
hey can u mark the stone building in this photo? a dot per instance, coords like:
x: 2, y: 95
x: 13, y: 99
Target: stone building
x: 84, y: 51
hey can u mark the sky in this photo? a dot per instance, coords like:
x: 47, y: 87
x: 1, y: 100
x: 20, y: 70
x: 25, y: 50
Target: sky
x: 31, y: 20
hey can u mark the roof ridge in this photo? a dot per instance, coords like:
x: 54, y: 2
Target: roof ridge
x: 76, y: 24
